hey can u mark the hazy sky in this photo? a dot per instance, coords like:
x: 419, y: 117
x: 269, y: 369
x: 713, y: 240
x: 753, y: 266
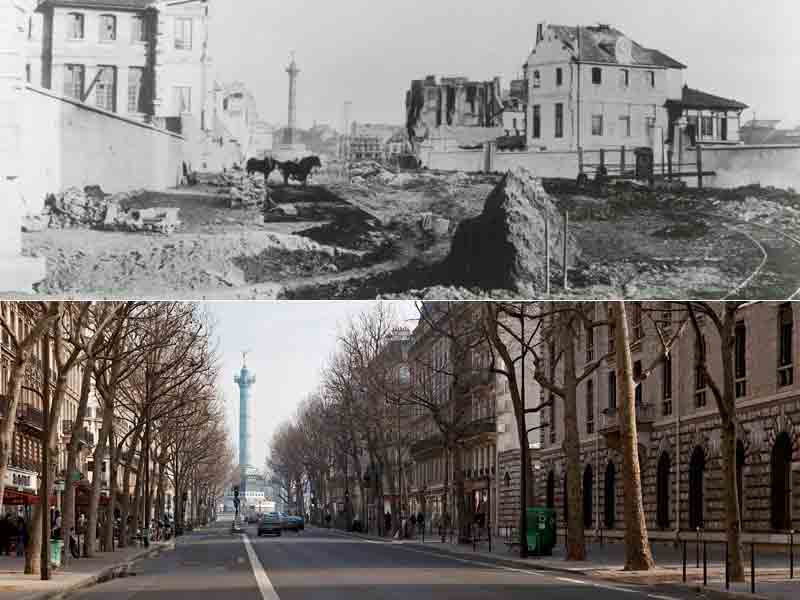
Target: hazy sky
x: 289, y: 343
x: 368, y: 52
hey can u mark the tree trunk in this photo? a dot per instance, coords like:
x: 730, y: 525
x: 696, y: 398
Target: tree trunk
x: 446, y: 516
x: 68, y: 516
x: 638, y: 556
x: 94, y: 499
x: 460, y: 501
x: 108, y: 534
x: 525, y: 483
x: 576, y: 545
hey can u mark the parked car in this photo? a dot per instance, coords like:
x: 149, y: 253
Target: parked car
x: 294, y: 523
x: 271, y: 524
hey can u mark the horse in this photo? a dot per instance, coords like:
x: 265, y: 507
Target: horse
x: 299, y: 171
x: 265, y: 166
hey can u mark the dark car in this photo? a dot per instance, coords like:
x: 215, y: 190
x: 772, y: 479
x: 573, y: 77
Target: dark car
x: 294, y: 523
x: 270, y: 524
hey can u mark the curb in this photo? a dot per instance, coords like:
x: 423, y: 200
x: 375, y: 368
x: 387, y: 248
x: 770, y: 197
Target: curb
x: 108, y: 573
x: 708, y: 592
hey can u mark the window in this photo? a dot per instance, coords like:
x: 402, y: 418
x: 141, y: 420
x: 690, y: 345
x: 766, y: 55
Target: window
x: 740, y: 475
x: 106, y: 88
x: 624, y: 78
x: 638, y: 391
x: 183, y: 33
x: 135, y: 96
x: 73, y: 81
x: 697, y: 467
x: 699, y: 372
x: 597, y: 75
x: 28, y: 72
x: 138, y: 29
x: 597, y: 124
x: 740, y: 358
x: 707, y: 127
x: 537, y: 79
x: 589, y: 343
x: 625, y: 126
x: 662, y: 491
x: 636, y: 321
x: 723, y: 128
x: 612, y: 391
x: 183, y: 100
x: 559, y: 120
x: 75, y: 29
x: 514, y: 123
x: 537, y: 121
x: 650, y: 78
x: 609, y: 508
x: 589, y: 406
x: 781, y: 483
x: 785, y: 340
x: 559, y: 76
x: 588, y: 493
x: 552, y: 423
x: 666, y: 385
x: 108, y: 28
x: 551, y: 490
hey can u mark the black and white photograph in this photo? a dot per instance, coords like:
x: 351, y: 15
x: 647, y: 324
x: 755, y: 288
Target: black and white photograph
x: 441, y: 299
x: 314, y: 150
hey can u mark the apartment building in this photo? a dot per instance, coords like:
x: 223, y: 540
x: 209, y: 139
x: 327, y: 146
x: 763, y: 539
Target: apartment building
x: 22, y: 483
x: 678, y: 427
x: 594, y: 87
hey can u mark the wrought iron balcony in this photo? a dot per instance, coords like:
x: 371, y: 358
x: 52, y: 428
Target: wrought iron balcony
x: 609, y: 418
x: 31, y: 416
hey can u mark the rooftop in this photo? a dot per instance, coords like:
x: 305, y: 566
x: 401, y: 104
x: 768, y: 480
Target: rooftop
x: 599, y: 44
x: 100, y: 4
x: 696, y: 99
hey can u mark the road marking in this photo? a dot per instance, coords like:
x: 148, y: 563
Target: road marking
x: 568, y: 580
x: 657, y: 597
x: 264, y: 584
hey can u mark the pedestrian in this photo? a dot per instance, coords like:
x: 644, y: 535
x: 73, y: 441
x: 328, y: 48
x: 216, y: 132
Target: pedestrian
x: 387, y: 521
x: 57, y: 526
x: 5, y: 534
x: 22, y: 536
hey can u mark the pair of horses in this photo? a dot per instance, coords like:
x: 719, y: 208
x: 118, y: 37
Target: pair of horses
x: 290, y: 169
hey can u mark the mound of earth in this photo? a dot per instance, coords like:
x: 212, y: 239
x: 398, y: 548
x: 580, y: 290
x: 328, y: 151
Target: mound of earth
x: 504, y: 246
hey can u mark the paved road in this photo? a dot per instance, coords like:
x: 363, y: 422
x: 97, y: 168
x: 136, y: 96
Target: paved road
x: 328, y: 565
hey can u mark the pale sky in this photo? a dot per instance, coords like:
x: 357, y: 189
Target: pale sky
x: 289, y: 344
x: 368, y: 52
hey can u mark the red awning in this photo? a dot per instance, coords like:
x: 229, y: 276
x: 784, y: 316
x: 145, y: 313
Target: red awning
x: 15, y: 498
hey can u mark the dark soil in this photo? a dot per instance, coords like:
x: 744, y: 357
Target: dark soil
x: 682, y: 231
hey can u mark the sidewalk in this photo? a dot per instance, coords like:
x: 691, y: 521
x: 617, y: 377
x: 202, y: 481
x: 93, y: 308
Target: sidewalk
x: 80, y: 573
x: 605, y: 562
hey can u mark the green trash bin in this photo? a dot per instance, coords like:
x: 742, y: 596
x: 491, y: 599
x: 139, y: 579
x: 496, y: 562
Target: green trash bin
x: 541, y: 532
x: 56, y: 546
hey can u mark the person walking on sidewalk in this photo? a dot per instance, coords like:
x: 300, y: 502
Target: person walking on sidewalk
x: 22, y: 536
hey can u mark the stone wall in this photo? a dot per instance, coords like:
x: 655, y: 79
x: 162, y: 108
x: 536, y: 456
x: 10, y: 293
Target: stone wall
x: 760, y: 425
x: 67, y: 143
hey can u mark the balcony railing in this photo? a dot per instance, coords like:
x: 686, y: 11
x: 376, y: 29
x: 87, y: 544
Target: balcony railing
x: 609, y: 420
x: 31, y: 416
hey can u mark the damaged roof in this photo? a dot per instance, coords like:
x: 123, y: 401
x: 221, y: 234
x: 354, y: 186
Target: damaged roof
x: 598, y: 44
x: 699, y: 100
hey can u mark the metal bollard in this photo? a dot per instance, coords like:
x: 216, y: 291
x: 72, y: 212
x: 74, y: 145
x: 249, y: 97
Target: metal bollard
x: 752, y: 567
x: 727, y: 573
x: 697, y: 549
x: 705, y: 565
x: 684, y: 561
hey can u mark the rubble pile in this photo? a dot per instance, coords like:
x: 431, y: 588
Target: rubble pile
x: 93, y: 208
x: 504, y: 246
x: 245, y: 191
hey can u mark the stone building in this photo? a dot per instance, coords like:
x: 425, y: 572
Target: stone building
x: 594, y: 87
x: 678, y: 427
x: 452, y: 102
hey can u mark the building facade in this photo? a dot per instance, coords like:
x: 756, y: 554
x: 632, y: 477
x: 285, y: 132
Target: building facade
x: 678, y: 427
x: 594, y: 87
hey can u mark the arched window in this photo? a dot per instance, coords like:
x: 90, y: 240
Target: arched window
x: 697, y: 467
x: 588, y: 492
x: 551, y: 490
x: 740, y: 476
x: 609, y: 509
x: 781, y: 483
x: 662, y: 491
